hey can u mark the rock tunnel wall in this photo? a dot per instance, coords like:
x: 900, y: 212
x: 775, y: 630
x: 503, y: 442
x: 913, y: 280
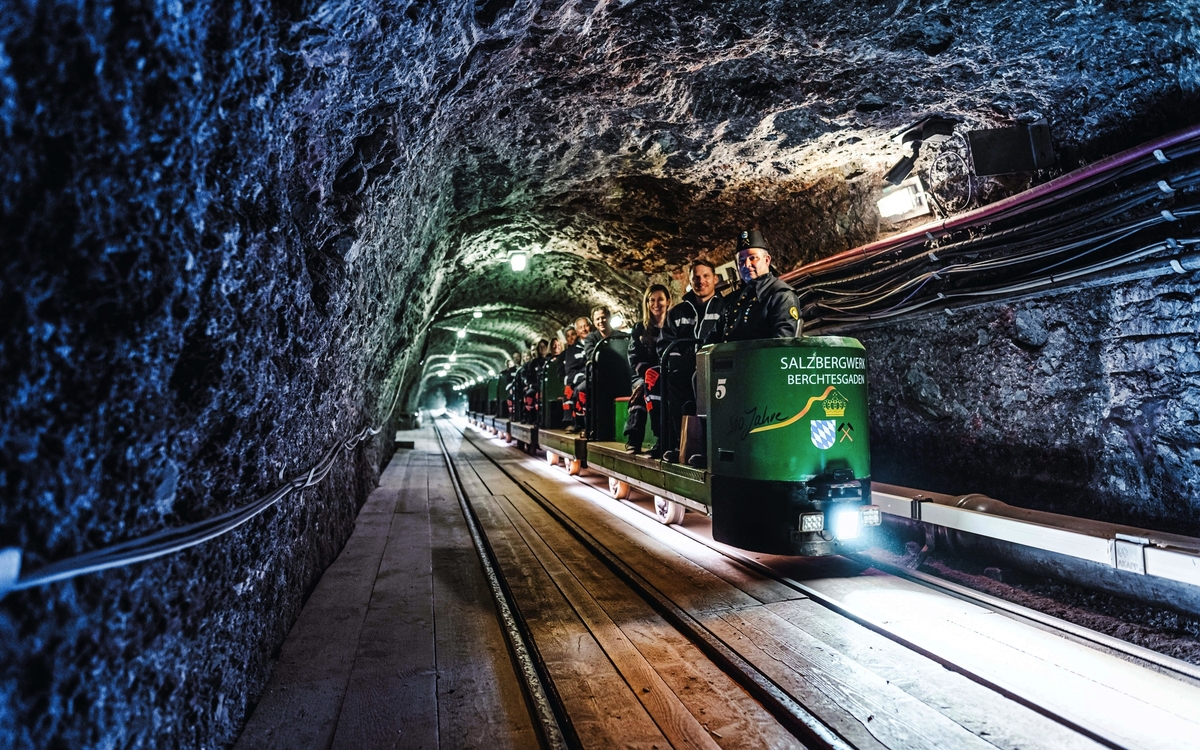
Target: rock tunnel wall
x: 205, y: 286
x: 1082, y: 402
x: 232, y: 230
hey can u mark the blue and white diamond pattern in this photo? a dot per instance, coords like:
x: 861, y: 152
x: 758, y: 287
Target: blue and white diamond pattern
x: 823, y: 432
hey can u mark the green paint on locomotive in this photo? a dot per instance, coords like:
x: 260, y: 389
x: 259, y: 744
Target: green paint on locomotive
x: 787, y: 409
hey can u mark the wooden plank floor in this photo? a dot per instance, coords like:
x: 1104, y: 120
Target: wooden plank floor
x: 625, y: 676
x: 399, y: 645
x: 869, y: 690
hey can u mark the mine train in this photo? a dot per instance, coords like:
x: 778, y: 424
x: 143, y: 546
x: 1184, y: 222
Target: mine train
x: 780, y: 426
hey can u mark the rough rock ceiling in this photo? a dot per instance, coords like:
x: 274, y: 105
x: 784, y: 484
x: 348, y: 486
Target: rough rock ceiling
x: 644, y: 134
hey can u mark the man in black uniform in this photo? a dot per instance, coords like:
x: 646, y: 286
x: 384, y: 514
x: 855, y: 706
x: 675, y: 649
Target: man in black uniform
x: 531, y: 376
x: 506, y: 383
x: 600, y: 331
x: 764, y: 307
x: 695, y: 317
x: 573, y: 375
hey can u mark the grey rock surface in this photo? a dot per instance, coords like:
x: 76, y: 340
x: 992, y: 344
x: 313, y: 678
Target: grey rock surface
x: 229, y: 233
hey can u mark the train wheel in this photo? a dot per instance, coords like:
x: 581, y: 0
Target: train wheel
x: 618, y: 489
x: 552, y: 458
x: 574, y: 466
x: 668, y: 511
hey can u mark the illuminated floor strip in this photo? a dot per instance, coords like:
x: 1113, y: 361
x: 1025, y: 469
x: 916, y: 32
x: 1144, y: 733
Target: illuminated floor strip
x: 1124, y: 704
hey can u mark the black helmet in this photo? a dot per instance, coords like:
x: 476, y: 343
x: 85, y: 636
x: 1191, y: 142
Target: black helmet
x: 749, y: 238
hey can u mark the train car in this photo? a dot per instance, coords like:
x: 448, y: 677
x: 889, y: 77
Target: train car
x: 608, y: 370
x: 786, y: 453
x: 787, y: 449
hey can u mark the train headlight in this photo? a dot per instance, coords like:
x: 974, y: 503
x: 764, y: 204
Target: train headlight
x: 872, y: 515
x: 812, y: 522
x: 847, y: 524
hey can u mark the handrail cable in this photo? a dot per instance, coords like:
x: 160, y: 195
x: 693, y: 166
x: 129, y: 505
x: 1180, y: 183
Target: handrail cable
x: 168, y: 541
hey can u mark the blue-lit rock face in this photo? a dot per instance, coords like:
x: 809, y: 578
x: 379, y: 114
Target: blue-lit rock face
x: 230, y: 233
x: 1082, y: 403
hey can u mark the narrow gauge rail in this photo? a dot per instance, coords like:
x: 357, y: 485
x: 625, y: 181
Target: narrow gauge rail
x: 552, y: 685
x: 1168, y: 726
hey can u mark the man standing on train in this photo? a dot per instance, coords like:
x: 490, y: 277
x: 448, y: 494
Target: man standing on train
x: 764, y: 307
x: 695, y: 317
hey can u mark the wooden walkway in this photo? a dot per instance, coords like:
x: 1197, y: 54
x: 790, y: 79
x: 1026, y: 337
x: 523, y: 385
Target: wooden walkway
x: 399, y: 645
x: 872, y: 692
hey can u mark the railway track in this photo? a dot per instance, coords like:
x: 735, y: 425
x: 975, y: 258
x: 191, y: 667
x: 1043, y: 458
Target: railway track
x: 814, y: 643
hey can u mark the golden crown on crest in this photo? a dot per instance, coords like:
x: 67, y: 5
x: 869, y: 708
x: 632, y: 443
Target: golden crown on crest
x: 835, y: 405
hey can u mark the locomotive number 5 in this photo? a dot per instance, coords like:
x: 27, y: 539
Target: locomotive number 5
x: 721, y: 388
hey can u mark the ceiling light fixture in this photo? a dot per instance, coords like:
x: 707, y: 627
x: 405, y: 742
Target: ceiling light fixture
x: 904, y: 201
x: 617, y: 322
x: 518, y: 260
x: 933, y: 130
x: 477, y: 314
x: 462, y: 333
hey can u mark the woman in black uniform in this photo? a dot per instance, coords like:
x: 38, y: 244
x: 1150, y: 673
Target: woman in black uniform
x: 645, y: 351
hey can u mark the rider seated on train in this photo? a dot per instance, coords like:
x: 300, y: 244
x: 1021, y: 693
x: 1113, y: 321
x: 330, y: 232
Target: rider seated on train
x: 574, y: 363
x: 506, y: 377
x: 601, y: 330
x: 531, y: 376
x: 647, y: 340
x: 762, y: 308
x: 695, y: 317
x: 516, y: 386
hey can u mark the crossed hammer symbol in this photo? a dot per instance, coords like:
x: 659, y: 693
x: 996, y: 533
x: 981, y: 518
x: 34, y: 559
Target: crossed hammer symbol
x: 846, y: 429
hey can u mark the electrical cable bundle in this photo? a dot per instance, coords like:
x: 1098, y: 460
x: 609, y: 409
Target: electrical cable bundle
x: 1174, y: 147
x: 1112, y: 218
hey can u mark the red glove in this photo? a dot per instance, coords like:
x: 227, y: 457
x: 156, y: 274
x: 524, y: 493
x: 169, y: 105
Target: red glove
x: 651, y: 377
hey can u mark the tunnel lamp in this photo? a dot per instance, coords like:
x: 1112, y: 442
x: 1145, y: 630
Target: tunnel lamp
x: 518, y: 259
x: 934, y: 130
x: 462, y: 333
x: 617, y: 322
x: 903, y: 168
x: 477, y: 314
x: 491, y: 373
x: 453, y: 357
x: 904, y: 201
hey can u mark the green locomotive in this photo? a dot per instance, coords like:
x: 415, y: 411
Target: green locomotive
x: 787, y: 462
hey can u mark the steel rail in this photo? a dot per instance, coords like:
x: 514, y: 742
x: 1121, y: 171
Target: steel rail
x: 544, y: 702
x: 849, y: 613
x: 790, y: 713
x: 867, y: 622
x: 1019, y: 612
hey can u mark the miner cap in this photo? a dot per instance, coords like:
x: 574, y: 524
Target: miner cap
x: 750, y: 238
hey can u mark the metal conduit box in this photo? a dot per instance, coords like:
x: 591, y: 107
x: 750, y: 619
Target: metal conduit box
x: 788, y: 437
